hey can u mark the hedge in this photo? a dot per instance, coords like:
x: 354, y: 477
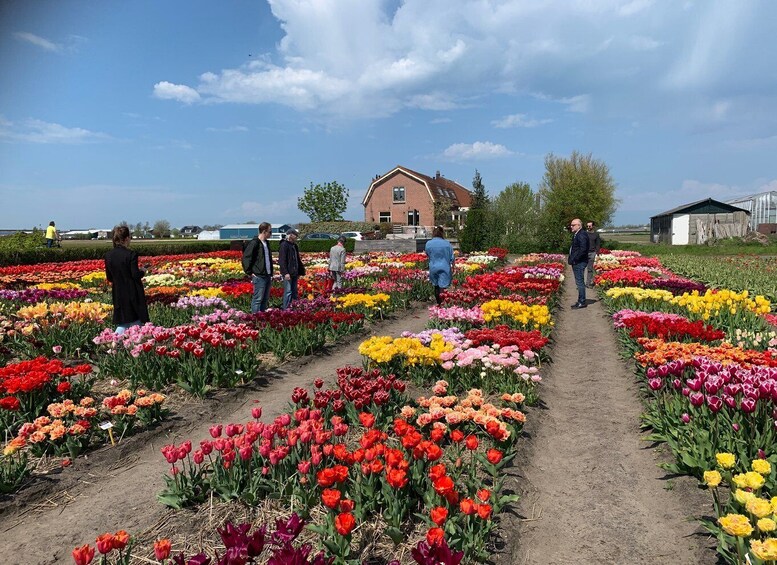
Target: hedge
x: 98, y: 251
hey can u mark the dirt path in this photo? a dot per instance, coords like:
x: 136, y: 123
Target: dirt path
x: 592, y: 490
x: 116, y: 488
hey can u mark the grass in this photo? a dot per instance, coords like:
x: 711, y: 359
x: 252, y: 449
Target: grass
x: 642, y: 244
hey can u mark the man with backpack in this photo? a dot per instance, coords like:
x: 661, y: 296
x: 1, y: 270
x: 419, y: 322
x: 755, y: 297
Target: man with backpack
x: 257, y: 263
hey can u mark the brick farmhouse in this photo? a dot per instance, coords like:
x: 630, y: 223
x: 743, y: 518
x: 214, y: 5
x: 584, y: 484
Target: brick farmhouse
x: 406, y: 197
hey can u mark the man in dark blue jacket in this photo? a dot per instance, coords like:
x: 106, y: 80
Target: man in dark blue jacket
x: 578, y: 258
x: 291, y: 267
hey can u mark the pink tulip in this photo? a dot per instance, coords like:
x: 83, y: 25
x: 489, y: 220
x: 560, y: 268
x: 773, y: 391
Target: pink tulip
x: 696, y: 398
x: 215, y: 431
x: 655, y: 384
x: 735, y: 427
x: 256, y: 413
x: 685, y: 418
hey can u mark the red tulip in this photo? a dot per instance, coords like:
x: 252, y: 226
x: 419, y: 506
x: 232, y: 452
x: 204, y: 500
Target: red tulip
x: 162, y: 549
x: 83, y: 555
x: 345, y: 523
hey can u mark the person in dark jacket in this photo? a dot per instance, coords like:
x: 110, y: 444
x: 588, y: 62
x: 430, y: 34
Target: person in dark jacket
x: 578, y: 258
x: 594, y: 245
x: 126, y: 278
x: 257, y: 264
x: 290, y: 265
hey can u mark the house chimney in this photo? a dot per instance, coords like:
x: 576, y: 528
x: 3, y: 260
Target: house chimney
x: 438, y: 174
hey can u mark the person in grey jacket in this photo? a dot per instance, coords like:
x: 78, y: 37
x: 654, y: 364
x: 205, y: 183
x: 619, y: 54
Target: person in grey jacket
x: 594, y: 245
x: 337, y: 262
x: 290, y: 265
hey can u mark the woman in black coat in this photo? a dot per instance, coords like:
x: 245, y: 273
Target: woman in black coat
x: 121, y: 270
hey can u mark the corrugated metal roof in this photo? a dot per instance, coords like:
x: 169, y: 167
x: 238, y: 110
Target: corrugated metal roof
x: 710, y: 201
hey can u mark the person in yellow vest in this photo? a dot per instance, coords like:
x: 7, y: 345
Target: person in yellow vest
x: 51, y: 235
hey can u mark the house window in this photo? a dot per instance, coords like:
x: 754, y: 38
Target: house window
x: 385, y: 217
x: 399, y: 194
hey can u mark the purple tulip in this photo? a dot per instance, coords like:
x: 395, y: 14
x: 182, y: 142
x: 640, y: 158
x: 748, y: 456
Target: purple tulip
x: 663, y: 371
x: 730, y: 401
x: 677, y: 384
x: 748, y: 405
x: 735, y: 427
x: 652, y: 373
x: 697, y: 399
x: 694, y: 384
x: 761, y: 454
x: 686, y: 391
x: 685, y: 418
x: 714, y: 403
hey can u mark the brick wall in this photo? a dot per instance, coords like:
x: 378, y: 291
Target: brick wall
x: 416, y: 198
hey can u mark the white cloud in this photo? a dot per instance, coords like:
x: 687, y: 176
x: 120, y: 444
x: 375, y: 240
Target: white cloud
x: 644, y: 43
x: 477, y: 150
x: 38, y: 131
x: 38, y: 41
x: 373, y: 58
x: 580, y: 103
x: 169, y: 91
x: 706, y: 57
x: 690, y: 190
x: 261, y: 211
x: 634, y: 7
x: 230, y: 129
x: 440, y: 121
x: 519, y: 121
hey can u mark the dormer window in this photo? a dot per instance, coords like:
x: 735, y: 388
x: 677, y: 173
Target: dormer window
x: 399, y: 194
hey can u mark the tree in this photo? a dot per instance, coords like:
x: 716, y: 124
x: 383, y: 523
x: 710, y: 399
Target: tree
x: 476, y: 233
x: 146, y: 229
x: 577, y: 187
x: 324, y: 203
x: 161, y: 229
x: 442, y: 212
x: 514, y: 218
x: 137, y: 231
x: 175, y: 232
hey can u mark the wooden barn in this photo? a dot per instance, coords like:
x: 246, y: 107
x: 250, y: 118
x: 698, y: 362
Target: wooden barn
x: 697, y: 222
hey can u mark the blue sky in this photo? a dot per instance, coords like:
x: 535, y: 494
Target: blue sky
x: 202, y: 112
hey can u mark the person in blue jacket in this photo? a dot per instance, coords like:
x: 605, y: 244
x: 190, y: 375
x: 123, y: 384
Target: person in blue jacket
x: 440, y: 254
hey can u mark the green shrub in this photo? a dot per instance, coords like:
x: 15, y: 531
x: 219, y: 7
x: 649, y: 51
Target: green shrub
x: 40, y: 254
x: 23, y: 241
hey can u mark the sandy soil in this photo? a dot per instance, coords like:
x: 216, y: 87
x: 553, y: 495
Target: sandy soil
x: 592, y: 491
x: 115, y: 488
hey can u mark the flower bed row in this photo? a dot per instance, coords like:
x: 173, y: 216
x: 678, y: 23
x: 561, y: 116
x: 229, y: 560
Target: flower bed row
x: 201, y: 338
x: 708, y: 360
x: 363, y: 461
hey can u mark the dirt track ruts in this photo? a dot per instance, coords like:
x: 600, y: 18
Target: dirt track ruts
x: 593, y: 492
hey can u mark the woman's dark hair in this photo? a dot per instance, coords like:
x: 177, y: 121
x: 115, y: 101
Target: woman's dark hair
x: 51, y: 223
x: 438, y: 231
x: 120, y: 235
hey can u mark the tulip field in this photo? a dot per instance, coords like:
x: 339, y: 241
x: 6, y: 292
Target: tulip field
x: 401, y: 459
x: 707, y: 358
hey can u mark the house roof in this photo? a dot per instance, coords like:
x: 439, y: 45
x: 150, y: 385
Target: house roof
x: 239, y: 226
x: 438, y: 187
x: 700, y: 204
